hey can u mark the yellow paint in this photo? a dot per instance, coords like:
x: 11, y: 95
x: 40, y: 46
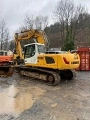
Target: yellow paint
x: 59, y: 62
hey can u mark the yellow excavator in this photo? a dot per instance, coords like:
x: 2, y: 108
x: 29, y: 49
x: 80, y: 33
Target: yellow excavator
x: 34, y: 61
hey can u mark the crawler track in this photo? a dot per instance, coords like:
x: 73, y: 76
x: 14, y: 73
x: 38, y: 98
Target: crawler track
x: 51, y: 77
x: 68, y: 74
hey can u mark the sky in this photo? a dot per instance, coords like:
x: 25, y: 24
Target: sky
x: 14, y: 11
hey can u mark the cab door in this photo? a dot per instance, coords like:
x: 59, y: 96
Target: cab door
x: 30, y: 54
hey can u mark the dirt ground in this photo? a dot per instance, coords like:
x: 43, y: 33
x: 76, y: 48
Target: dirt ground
x: 26, y: 99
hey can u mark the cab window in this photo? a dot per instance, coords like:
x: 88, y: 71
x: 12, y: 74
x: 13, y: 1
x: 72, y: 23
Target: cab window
x: 29, y: 51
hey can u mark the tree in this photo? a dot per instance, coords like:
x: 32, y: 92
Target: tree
x: 67, y: 15
x: 39, y: 22
x: 12, y: 46
x: 29, y: 21
x: 4, y: 35
x: 5, y: 44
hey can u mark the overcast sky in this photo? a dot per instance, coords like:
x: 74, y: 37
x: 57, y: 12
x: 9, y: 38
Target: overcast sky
x: 13, y: 11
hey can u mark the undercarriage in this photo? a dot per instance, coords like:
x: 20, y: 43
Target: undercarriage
x: 6, y: 71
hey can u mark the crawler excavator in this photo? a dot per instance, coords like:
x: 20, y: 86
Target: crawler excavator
x: 6, y: 64
x: 33, y: 61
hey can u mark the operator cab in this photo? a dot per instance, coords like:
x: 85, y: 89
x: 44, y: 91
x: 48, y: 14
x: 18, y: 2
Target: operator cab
x: 31, y: 51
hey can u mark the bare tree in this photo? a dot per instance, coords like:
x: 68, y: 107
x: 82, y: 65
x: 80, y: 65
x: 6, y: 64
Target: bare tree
x: 45, y: 22
x: 29, y: 21
x: 41, y: 22
x: 79, y: 10
x: 38, y: 22
x: 67, y: 15
x: 64, y: 12
x: 5, y: 45
x: 4, y: 35
x: 12, y: 45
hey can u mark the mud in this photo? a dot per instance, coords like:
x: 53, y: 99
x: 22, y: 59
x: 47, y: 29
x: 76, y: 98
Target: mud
x: 27, y: 99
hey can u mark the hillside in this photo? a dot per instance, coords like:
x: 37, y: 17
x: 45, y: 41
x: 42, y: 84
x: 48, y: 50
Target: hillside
x: 82, y: 37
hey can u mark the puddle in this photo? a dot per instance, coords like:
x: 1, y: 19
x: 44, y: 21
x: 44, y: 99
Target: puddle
x: 15, y: 100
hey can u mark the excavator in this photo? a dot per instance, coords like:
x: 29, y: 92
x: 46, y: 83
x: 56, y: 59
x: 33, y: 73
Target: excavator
x: 6, y: 64
x: 35, y: 61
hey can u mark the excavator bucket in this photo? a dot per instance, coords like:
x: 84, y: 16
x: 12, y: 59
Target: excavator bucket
x: 6, y: 71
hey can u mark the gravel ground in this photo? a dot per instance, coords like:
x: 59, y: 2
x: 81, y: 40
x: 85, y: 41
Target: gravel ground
x: 26, y: 99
